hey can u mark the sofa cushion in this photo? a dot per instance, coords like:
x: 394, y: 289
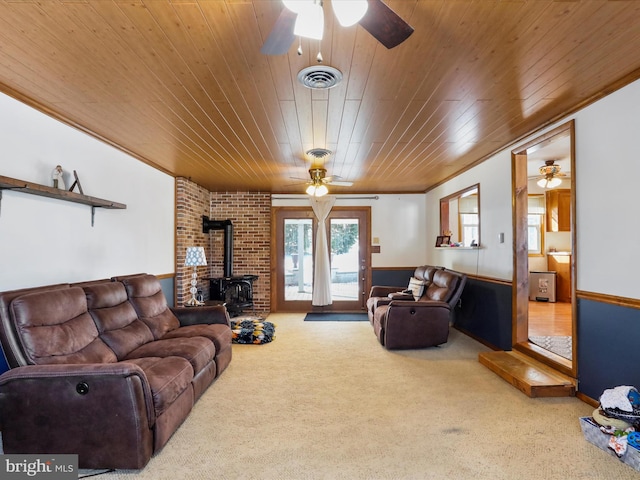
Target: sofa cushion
x: 13, y: 350
x: 117, y: 321
x: 443, y: 286
x: 219, y: 334
x: 168, y: 378
x: 199, y: 351
x: 54, y: 326
x: 146, y: 295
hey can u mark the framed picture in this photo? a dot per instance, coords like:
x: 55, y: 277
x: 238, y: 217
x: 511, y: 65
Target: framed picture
x: 442, y: 240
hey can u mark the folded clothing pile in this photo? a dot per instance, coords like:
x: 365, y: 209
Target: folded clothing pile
x: 619, y: 416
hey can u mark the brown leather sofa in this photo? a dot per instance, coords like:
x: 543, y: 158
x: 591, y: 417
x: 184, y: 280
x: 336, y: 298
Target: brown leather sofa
x: 104, y: 369
x: 401, y: 321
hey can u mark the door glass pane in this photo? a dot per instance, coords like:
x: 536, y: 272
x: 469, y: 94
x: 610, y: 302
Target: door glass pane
x: 345, y: 256
x: 298, y: 258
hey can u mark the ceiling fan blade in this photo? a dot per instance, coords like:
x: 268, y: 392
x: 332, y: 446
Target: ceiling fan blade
x: 385, y: 25
x: 337, y: 181
x: 281, y: 37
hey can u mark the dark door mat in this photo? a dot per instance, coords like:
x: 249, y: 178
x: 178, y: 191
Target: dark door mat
x: 336, y: 317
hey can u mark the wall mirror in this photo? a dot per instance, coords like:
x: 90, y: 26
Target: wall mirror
x: 460, y: 217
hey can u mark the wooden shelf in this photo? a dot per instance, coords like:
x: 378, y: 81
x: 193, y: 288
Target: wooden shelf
x: 8, y: 183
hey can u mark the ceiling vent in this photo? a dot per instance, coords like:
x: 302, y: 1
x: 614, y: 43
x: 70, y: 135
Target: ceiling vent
x: 318, y: 153
x: 320, y: 77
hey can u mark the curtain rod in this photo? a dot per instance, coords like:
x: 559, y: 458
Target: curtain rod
x: 302, y: 197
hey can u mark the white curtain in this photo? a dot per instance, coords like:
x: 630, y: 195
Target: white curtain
x: 322, y: 265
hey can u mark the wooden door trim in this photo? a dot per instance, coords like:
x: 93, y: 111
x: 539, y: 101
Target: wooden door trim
x: 277, y: 268
x: 520, y: 296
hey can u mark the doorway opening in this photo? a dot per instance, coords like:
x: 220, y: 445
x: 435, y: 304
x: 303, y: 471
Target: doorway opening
x: 544, y: 312
x: 294, y: 230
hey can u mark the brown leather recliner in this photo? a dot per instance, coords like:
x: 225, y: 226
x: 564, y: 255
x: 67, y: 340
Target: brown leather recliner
x: 401, y: 322
x: 104, y: 369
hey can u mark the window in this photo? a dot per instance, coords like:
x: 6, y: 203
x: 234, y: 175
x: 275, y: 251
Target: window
x: 468, y: 219
x: 535, y: 223
x: 470, y: 228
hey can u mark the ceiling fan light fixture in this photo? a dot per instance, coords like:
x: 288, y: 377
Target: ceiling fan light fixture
x: 296, y: 6
x: 549, y: 182
x: 317, y: 190
x: 310, y: 21
x: 349, y: 12
x: 549, y: 168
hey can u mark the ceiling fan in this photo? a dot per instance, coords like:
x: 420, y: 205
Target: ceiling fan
x: 317, y: 186
x: 550, y: 175
x: 305, y: 18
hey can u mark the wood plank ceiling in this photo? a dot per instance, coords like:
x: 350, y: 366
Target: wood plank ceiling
x: 182, y: 85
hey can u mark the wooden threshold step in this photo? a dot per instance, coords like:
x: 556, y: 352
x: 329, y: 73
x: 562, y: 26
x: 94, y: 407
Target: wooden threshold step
x: 529, y: 376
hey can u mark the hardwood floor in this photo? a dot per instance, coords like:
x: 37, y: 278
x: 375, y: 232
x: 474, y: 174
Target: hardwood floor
x: 547, y: 318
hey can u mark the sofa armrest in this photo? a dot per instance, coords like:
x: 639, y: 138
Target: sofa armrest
x: 383, y: 291
x: 202, y: 315
x: 102, y: 412
x: 425, y: 302
x: 420, y: 306
x: 73, y: 380
x: 380, y: 301
x: 401, y: 296
x: 416, y: 324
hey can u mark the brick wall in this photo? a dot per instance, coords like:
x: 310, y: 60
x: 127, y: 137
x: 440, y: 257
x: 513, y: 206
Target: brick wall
x: 250, y: 214
x: 192, y: 202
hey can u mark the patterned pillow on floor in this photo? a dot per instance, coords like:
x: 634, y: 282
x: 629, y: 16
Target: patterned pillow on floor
x: 254, y: 331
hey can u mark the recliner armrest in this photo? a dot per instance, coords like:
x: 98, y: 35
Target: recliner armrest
x: 202, y: 315
x: 40, y: 378
x: 102, y: 412
x: 420, y: 304
x: 415, y: 324
x: 401, y: 296
x: 383, y: 291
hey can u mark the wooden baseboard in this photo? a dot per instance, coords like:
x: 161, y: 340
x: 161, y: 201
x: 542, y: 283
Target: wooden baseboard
x: 588, y: 400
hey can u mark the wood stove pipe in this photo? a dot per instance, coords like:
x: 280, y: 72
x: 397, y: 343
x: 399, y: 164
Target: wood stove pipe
x: 227, y: 226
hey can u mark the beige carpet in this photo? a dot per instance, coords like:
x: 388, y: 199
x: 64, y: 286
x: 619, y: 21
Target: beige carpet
x: 325, y: 401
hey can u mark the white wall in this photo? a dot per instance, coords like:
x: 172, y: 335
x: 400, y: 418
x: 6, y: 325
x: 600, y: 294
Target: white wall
x: 607, y: 226
x: 44, y: 241
x: 398, y: 221
x: 607, y: 175
x: 492, y: 259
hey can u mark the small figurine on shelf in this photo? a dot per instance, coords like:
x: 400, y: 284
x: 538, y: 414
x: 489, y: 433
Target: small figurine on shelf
x: 58, y: 181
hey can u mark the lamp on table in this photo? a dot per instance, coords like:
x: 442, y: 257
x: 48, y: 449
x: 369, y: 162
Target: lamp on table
x: 195, y: 258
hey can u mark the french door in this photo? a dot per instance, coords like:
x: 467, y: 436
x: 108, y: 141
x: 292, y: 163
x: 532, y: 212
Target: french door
x: 295, y: 230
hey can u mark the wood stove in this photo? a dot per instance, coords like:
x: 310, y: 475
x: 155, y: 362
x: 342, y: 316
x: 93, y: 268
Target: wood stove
x: 236, y: 291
